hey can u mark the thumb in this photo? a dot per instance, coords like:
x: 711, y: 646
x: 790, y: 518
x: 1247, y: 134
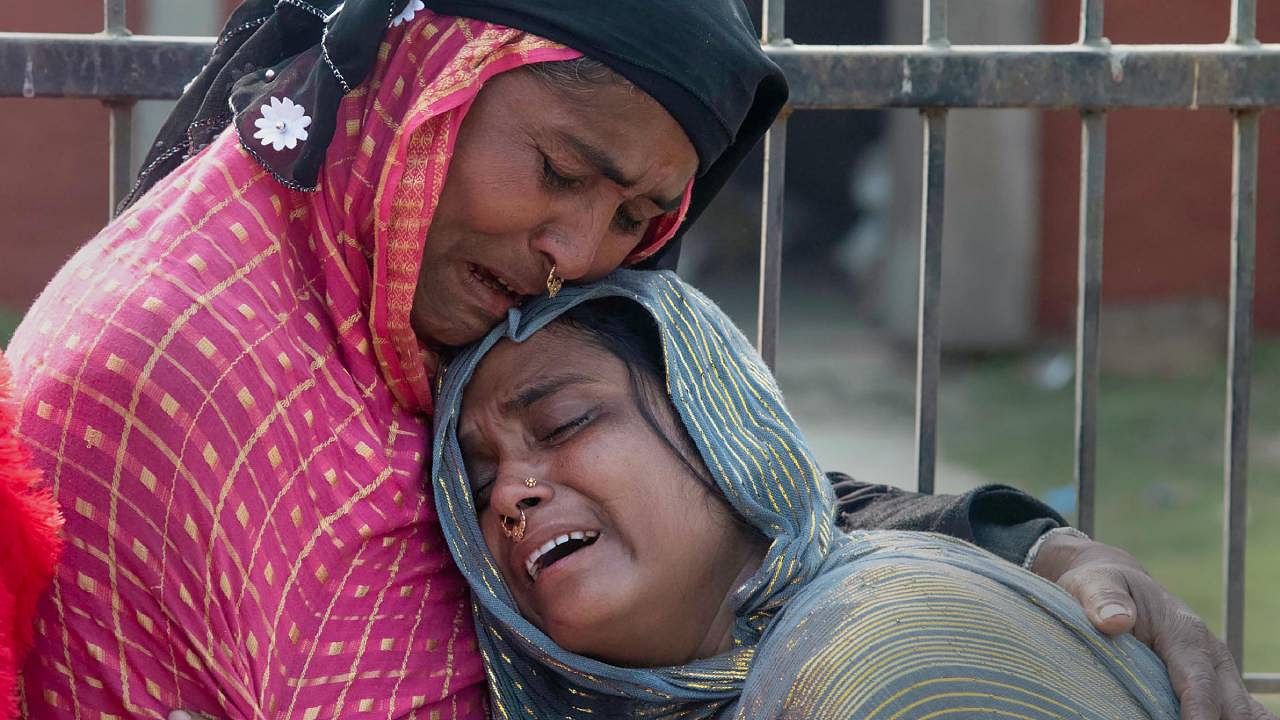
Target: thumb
x: 1105, y: 597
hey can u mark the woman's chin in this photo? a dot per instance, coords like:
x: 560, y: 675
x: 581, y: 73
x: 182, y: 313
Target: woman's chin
x: 585, y: 615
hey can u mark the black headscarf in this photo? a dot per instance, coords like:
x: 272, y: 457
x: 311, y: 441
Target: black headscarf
x: 699, y: 58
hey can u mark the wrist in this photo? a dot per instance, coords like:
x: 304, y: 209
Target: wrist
x: 1055, y: 552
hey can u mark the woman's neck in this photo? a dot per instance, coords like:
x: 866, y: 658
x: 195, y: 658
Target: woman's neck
x: 719, y: 637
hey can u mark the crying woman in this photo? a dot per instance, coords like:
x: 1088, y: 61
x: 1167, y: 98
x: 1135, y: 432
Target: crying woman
x: 647, y: 534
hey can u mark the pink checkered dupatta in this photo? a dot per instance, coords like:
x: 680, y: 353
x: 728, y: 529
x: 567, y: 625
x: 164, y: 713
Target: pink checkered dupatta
x: 224, y: 393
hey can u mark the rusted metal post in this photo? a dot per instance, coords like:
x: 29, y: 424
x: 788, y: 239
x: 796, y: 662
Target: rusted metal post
x: 1244, y: 209
x: 1244, y: 203
x: 932, y: 206
x: 769, y: 302
x: 770, y: 293
x: 121, y: 122
x: 1093, y: 162
x: 1244, y: 22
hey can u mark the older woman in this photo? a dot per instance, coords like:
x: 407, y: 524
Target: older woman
x: 647, y: 535
x: 229, y: 388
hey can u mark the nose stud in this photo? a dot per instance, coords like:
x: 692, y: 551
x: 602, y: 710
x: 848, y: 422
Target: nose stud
x: 554, y: 283
x: 514, y: 530
x: 530, y: 482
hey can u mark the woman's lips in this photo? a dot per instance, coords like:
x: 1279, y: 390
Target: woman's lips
x: 495, y: 294
x: 556, y: 549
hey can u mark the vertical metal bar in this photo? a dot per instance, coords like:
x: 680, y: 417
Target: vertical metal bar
x: 928, y: 334
x: 1244, y: 208
x: 1090, y: 21
x: 1244, y: 22
x: 114, y: 22
x: 935, y: 22
x: 121, y: 120
x: 773, y: 29
x: 932, y: 205
x: 774, y: 182
x: 1093, y: 160
x: 1244, y: 205
x: 121, y: 140
x: 1093, y: 173
x: 775, y: 163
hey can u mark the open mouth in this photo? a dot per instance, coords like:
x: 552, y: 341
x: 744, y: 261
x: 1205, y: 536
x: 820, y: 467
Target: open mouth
x: 495, y: 283
x: 557, y: 549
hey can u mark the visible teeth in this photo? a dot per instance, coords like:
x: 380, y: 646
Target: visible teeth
x: 531, y: 561
x: 492, y: 280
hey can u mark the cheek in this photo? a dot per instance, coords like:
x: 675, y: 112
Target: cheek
x: 609, y: 257
x: 491, y: 194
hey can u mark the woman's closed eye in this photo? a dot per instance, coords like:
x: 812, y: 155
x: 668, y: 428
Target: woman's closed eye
x: 625, y: 223
x: 556, y: 179
x: 564, y: 431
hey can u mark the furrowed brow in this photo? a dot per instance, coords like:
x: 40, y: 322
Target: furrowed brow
x: 608, y: 167
x: 541, y: 388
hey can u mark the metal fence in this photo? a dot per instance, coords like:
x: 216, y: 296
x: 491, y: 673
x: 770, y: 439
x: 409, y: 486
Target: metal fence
x: 1092, y: 76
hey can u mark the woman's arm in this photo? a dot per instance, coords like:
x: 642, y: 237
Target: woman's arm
x: 997, y: 518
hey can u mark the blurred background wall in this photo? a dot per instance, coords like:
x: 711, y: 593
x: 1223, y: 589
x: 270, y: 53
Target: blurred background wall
x: 53, y: 153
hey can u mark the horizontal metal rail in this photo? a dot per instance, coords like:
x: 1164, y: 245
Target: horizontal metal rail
x: 822, y: 77
x: 100, y: 67
x: 1262, y: 683
x: 1032, y: 76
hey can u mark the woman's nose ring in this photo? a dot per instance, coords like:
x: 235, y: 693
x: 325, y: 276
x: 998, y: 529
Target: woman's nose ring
x: 514, y: 531
x: 530, y: 482
x: 554, y: 282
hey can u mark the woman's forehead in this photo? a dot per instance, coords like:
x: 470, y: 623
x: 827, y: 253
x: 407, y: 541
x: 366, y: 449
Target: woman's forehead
x: 556, y: 351
x: 621, y: 126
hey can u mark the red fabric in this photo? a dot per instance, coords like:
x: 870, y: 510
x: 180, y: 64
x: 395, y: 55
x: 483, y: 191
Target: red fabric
x: 29, y: 547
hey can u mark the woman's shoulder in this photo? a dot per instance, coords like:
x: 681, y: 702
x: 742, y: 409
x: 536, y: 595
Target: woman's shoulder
x: 903, y: 618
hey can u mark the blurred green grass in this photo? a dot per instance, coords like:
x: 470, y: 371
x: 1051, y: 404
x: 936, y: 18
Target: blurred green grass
x: 1159, y: 463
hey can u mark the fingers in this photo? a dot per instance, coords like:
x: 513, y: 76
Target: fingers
x: 1193, y: 676
x: 1203, y: 674
x: 1237, y: 704
x: 1118, y: 596
x: 1105, y: 595
x: 1260, y: 712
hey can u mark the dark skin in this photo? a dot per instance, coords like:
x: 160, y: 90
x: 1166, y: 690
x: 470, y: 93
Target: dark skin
x: 542, y: 176
x: 1120, y: 597
x: 654, y: 587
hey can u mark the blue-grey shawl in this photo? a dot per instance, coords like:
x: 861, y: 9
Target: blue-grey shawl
x: 874, y: 624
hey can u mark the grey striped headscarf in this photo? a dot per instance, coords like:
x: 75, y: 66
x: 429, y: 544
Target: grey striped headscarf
x: 732, y: 408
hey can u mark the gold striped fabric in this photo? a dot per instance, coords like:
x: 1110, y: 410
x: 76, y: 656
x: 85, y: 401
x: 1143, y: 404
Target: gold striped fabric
x: 884, y: 625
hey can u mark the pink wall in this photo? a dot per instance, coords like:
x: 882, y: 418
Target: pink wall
x: 1168, y: 185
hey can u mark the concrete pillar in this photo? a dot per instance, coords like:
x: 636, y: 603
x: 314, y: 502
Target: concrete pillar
x: 989, y: 248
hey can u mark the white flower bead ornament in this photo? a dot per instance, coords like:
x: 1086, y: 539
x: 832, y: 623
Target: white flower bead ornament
x: 282, y: 125
x: 407, y: 14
